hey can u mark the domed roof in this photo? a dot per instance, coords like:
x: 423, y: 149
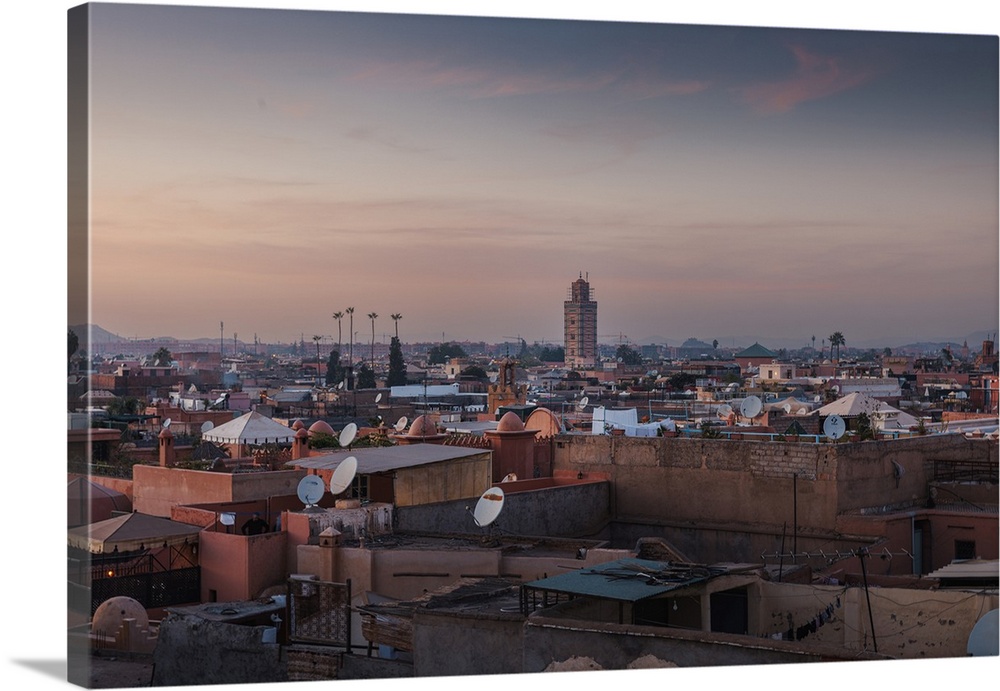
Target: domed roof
x: 302, y: 433
x: 423, y: 426
x: 298, y: 424
x: 510, y: 422
x: 111, y: 613
x: 544, y: 422
x: 321, y: 427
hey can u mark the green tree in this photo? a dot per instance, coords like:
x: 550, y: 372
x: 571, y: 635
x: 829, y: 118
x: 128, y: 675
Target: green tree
x: 366, y: 377
x: 162, y: 357
x: 440, y: 353
x: 555, y: 354
x: 74, y: 343
x: 628, y: 355
x: 397, y: 367
x: 123, y: 405
x: 335, y: 372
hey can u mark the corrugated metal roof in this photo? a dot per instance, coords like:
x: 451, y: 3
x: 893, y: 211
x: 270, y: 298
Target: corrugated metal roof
x: 627, y: 580
x: 971, y: 568
x: 387, y: 458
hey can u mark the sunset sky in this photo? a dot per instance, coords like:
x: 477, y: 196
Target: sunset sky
x: 266, y: 168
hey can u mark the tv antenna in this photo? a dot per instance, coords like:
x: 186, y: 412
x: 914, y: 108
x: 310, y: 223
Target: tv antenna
x: 348, y: 434
x: 834, y: 427
x: 310, y: 491
x: 343, y: 476
x: 751, y: 407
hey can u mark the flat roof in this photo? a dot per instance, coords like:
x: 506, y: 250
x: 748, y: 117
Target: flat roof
x: 627, y: 580
x: 387, y: 458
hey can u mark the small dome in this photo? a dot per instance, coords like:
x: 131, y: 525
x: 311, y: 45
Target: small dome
x: 302, y: 433
x: 165, y: 433
x: 298, y: 424
x: 510, y: 422
x: 423, y: 426
x: 321, y: 427
x: 111, y: 613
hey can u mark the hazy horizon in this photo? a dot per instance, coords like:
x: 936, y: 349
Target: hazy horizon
x: 266, y: 168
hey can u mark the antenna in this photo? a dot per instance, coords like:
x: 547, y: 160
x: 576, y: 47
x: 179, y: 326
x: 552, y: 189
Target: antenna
x: 310, y: 491
x: 488, y: 507
x: 834, y: 427
x: 348, y: 434
x: 343, y: 476
x: 751, y: 407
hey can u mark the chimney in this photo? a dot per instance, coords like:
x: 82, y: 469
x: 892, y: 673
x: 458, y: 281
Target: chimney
x: 300, y: 444
x: 167, y: 454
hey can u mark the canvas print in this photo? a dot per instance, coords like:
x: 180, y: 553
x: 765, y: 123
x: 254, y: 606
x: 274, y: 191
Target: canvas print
x: 408, y: 346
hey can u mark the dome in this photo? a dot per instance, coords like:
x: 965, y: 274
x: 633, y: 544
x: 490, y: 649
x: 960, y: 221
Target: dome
x: 544, y: 422
x: 111, y: 613
x: 321, y: 427
x: 298, y: 424
x: 423, y: 426
x: 165, y: 433
x: 302, y: 433
x: 510, y: 422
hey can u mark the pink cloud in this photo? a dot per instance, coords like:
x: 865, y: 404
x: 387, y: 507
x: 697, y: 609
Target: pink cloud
x: 815, y: 77
x: 499, y: 82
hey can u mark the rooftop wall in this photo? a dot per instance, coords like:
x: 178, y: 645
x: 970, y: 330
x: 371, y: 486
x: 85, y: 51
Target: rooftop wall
x: 157, y: 489
x: 731, y: 482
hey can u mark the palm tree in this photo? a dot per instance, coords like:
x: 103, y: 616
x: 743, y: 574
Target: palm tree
x: 338, y: 316
x: 350, y: 355
x: 395, y: 318
x: 373, y: 316
x: 836, y: 340
x: 316, y: 340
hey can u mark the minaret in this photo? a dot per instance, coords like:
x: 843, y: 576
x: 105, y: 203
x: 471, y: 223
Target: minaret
x: 580, y: 324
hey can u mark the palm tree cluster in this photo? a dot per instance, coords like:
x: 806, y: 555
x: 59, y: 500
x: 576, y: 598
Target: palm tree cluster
x: 349, y: 312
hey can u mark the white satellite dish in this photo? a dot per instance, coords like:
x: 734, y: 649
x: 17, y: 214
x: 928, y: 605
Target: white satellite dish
x: 582, y: 403
x: 961, y: 395
x: 835, y: 388
x: 510, y: 477
x: 400, y: 424
x: 378, y: 398
x: 724, y: 411
x: 834, y: 427
x: 227, y: 518
x: 348, y: 433
x: 787, y: 408
x: 166, y: 423
x: 489, y: 507
x: 207, y: 426
x: 983, y: 640
x: 751, y: 407
x: 343, y: 476
x: 340, y: 385
x: 310, y: 490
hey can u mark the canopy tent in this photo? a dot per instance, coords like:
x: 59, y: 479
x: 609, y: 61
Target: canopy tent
x: 883, y: 415
x: 131, y: 532
x: 89, y: 502
x: 252, y: 428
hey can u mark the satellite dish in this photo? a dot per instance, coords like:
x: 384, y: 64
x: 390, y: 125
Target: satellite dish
x: 340, y: 385
x: 510, y: 477
x: 835, y: 388
x: 343, y: 476
x: 834, y: 427
x: 378, y: 398
x: 310, y: 490
x: 582, y: 403
x: 787, y: 408
x: 489, y: 507
x: 724, y: 410
x: 206, y: 426
x: 751, y: 407
x: 961, y: 395
x: 400, y: 424
x: 983, y: 639
x: 227, y: 518
x: 348, y: 433
x: 166, y: 423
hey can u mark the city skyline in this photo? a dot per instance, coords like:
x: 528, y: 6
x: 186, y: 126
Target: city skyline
x: 266, y: 168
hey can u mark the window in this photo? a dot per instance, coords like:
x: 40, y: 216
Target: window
x: 965, y: 549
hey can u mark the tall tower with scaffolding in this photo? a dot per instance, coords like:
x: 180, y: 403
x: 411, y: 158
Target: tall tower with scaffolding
x: 580, y: 324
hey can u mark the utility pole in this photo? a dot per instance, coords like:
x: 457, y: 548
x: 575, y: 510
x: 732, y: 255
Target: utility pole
x: 222, y: 340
